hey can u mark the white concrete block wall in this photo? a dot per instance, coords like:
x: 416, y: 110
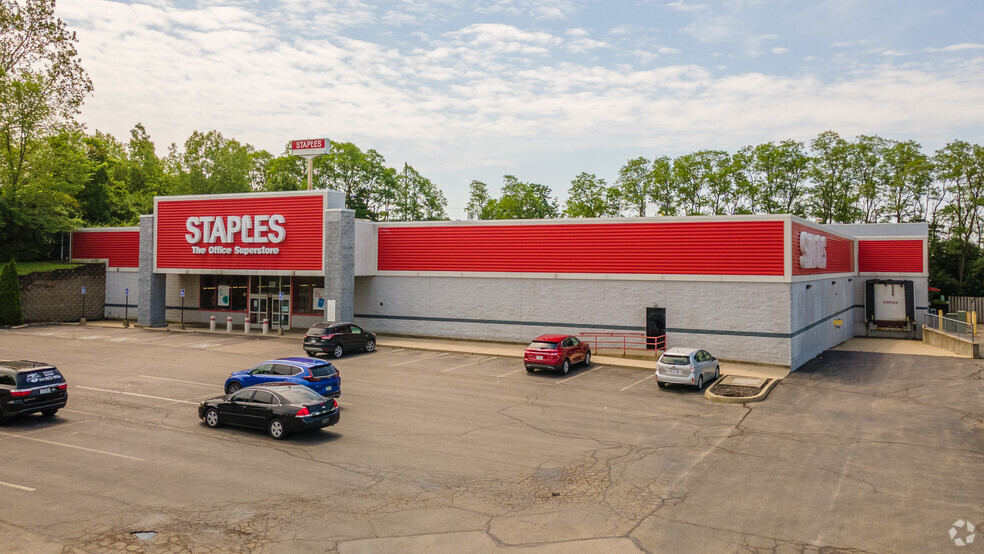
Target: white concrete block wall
x: 117, y: 280
x: 516, y: 310
x: 814, y: 307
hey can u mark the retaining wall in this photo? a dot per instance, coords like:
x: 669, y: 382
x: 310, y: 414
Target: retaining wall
x: 57, y: 295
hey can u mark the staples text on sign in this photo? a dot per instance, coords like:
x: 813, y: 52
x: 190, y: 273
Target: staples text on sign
x: 813, y: 251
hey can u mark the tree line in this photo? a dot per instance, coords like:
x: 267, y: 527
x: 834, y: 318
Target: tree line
x: 829, y: 180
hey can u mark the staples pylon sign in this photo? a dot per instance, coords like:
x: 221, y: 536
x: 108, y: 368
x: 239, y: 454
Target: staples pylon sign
x: 240, y: 232
x: 309, y: 147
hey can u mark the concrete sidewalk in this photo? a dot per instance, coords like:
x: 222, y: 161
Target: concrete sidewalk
x: 501, y: 349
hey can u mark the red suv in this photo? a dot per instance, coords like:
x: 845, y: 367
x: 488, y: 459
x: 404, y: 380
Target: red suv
x: 556, y: 352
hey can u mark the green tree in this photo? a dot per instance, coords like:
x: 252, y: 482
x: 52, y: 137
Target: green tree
x: 960, y: 168
x: 104, y: 199
x: 744, y: 198
x: 909, y: 175
x: 478, y: 199
x: 521, y: 200
x: 42, y: 83
x: 285, y: 173
x: 634, y: 186
x: 662, y: 190
x: 211, y: 164
x: 10, y: 302
x: 145, y: 176
x: 417, y: 198
x: 589, y: 196
x: 833, y: 197
x: 870, y: 175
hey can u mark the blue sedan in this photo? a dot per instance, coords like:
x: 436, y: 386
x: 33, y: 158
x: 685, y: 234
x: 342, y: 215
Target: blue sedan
x: 318, y: 375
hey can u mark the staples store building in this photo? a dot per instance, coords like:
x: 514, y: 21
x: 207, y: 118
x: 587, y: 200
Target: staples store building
x: 768, y: 289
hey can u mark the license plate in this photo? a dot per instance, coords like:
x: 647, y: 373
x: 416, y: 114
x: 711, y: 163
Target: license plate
x: 310, y: 341
x: 328, y: 389
x: 46, y: 391
x: 539, y: 357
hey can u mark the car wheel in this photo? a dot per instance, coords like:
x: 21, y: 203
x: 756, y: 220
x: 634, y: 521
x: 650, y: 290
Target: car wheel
x: 700, y: 381
x: 337, y: 351
x: 233, y: 387
x: 661, y: 384
x: 566, y: 367
x: 212, y: 418
x: 49, y: 413
x: 587, y: 359
x: 717, y: 372
x: 529, y: 369
x: 370, y: 345
x: 276, y: 429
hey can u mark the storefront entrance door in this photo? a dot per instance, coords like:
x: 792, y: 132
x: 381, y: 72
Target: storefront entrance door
x: 259, y: 309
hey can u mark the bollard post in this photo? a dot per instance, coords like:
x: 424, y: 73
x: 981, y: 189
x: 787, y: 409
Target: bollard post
x: 211, y: 323
x: 229, y: 324
x: 266, y: 326
x: 246, y: 325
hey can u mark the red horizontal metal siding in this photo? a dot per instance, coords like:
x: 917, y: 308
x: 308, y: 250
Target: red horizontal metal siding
x: 685, y: 248
x: 121, y: 248
x: 890, y: 256
x: 301, y: 250
x: 840, y: 252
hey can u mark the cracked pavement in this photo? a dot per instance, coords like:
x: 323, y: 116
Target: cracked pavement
x: 855, y: 452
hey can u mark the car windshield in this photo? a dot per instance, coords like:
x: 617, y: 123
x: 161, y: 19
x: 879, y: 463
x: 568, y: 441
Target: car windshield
x: 300, y: 395
x: 38, y: 378
x: 316, y: 330
x: 326, y: 370
x: 675, y: 359
x: 543, y: 345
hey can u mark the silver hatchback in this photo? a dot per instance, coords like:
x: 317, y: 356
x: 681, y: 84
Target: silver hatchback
x: 686, y: 366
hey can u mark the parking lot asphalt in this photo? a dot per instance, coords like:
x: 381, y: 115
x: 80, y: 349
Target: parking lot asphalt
x: 456, y: 452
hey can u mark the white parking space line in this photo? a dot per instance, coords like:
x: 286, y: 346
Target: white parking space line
x: 580, y: 374
x: 19, y: 487
x: 135, y: 394
x: 213, y: 385
x: 421, y: 359
x: 93, y: 450
x: 510, y: 373
x: 623, y: 389
x: 468, y: 364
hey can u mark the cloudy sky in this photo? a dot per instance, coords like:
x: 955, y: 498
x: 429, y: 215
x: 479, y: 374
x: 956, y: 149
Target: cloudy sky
x: 539, y: 89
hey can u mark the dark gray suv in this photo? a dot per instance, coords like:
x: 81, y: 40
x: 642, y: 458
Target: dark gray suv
x: 336, y: 338
x: 30, y: 387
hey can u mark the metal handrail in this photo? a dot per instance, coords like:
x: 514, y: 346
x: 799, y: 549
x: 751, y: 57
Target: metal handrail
x: 949, y: 325
x: 626, y: 342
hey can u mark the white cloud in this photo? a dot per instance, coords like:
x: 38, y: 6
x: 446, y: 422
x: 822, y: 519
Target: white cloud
x: 684, y: 6
x: 957, y: 47
x: 779, y: 50
x: 667, y: 50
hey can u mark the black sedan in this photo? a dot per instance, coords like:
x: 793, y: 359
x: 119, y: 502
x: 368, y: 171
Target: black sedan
x: 336, y: 337
x: 280, y: 408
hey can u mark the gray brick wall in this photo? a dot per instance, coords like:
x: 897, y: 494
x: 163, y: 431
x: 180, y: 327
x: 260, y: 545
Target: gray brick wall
x: 57, y: 295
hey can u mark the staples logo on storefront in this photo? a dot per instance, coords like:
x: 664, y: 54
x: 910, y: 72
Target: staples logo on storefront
x: 256, y: 229
x: 249, y: 231
x: 813, y: 251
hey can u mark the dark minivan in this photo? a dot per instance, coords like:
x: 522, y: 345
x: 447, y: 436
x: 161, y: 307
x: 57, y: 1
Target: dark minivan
x: 337, y: 337
x: 30, y: 387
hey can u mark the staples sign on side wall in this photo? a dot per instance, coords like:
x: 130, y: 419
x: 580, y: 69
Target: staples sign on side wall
x: 242, y: 232
x: 813, y: 251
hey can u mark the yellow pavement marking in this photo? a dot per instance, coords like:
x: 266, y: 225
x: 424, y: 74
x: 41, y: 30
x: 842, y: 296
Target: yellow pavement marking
x: 139, y: 395
x: 93, y: 450
x: 421, y: 359
x: 510, y: 373
x: 580, y: 374
x: 468, y: 364
x: 182, y: 381
x: 637, y: 382
x: 21, y: 487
